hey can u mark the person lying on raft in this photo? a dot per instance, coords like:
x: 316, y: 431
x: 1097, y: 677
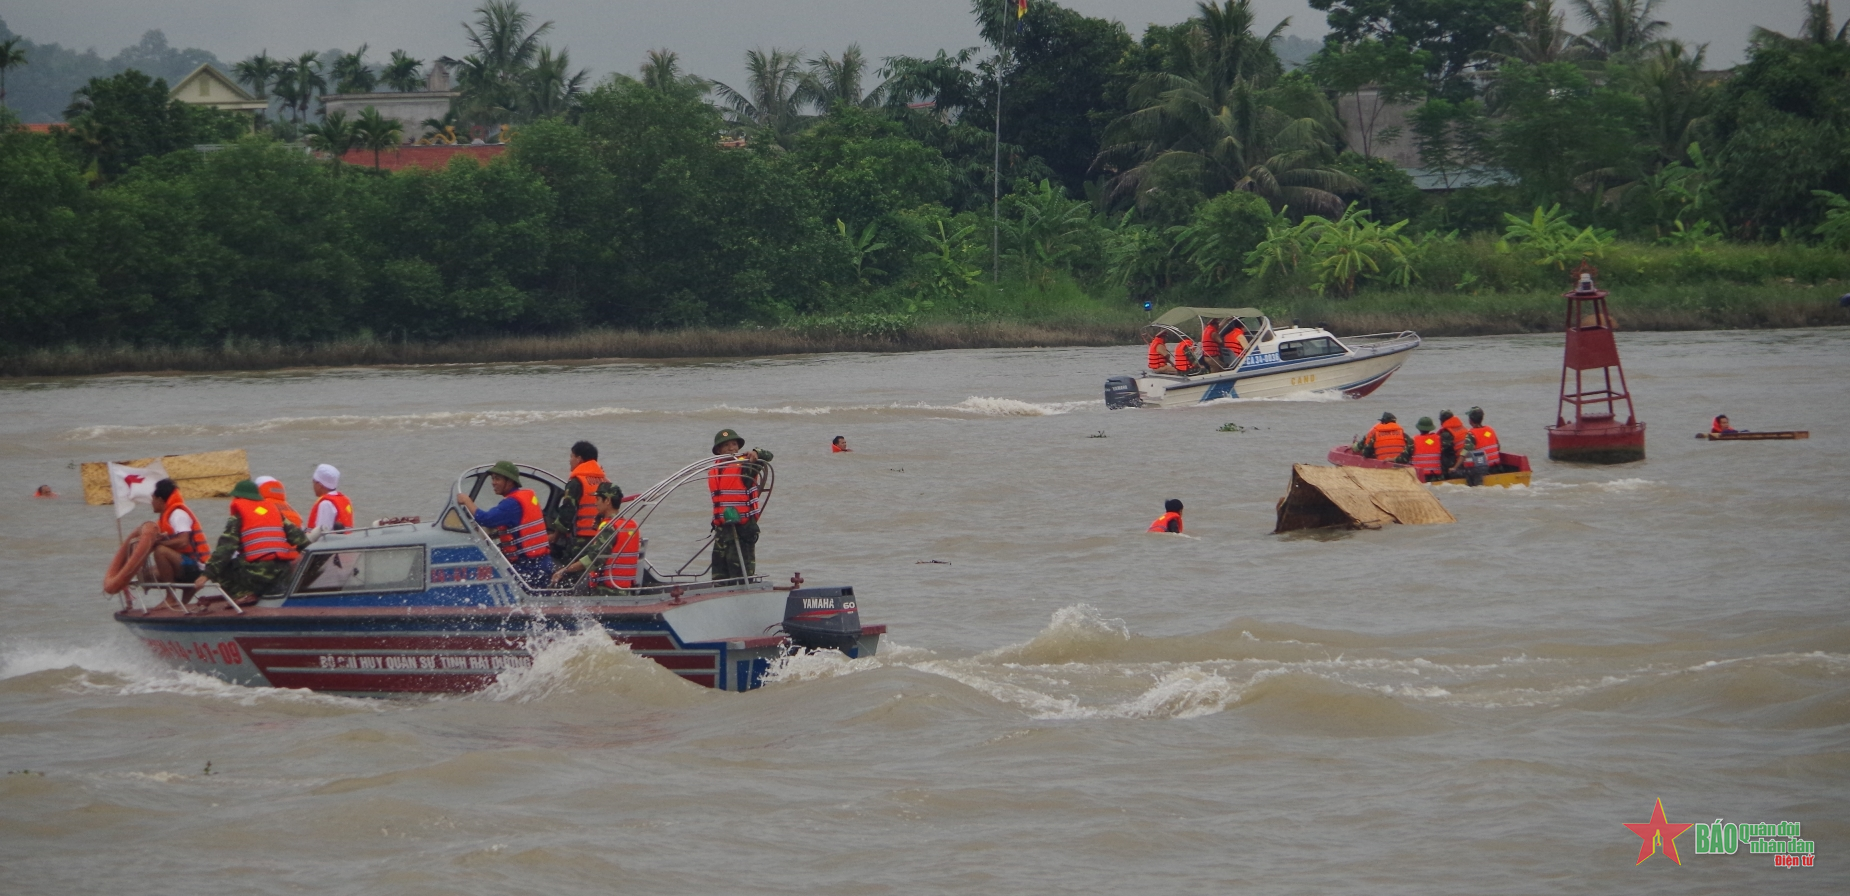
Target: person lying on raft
x: 1722, y: 427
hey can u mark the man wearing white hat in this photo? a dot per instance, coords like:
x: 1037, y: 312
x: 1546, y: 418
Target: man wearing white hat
x: 332, y: 511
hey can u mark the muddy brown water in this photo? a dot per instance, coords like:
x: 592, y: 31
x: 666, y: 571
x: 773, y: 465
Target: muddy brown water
x: 1064, y: 704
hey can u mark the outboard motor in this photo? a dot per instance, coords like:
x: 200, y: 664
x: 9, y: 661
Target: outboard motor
x: 1121, y: 392
x: 823, y: 619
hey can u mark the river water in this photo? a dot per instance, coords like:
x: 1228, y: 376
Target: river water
x: 1063, y: 704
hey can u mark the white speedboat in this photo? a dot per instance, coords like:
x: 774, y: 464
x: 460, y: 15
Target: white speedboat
x: 1276, y: 362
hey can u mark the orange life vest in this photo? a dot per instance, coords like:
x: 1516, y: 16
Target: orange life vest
x: 260, y: 531
x: 589, y: 475
x: 1716, y: 426
x: 1182, y: 348
x: 836, y: 449
x: 272, y: 492
x: 1233, y: 339
x: 528, y: 537
x: 1487, y: 443
x: 1426, y: 455
x: 343, y: 509
x: 1458, y: 430
x: 1210, y: 342
x: 196, y: 546
x: 1162, y: 523
x: 618, y: 568
x: 1389, y: 440
x: 732, y: 489
x: 1159, y: 354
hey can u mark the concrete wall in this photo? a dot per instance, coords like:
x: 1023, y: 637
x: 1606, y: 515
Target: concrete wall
x: 410, y: 109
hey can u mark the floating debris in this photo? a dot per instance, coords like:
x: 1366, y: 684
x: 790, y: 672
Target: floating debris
x: 1231, y: 427
x: 1097, y: 435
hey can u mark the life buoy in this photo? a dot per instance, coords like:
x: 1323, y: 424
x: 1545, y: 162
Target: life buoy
x: 129, y: 558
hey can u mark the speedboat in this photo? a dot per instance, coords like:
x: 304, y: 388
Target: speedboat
x: 1512, y: 470
x: 428, y: 608
x: 1275, y: 362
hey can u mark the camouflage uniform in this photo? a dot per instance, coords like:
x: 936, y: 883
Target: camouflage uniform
x: 240, y: 577
x: 735, y: 545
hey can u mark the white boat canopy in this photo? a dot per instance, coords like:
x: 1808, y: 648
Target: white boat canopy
x: 1176, y: 317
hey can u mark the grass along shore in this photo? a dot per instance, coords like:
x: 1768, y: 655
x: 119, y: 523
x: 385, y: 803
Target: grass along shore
x: 1720, y: 306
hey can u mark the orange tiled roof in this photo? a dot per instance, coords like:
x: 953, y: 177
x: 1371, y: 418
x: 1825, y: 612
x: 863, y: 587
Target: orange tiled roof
x: 432, y: 157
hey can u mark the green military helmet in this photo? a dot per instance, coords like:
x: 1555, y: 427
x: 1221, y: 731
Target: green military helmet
x: 506, y: 470
x: 1388, y: 417
x: 724, y: 436
x: 1425, y: 424
x: 609, y: 490
x: 247, y: 490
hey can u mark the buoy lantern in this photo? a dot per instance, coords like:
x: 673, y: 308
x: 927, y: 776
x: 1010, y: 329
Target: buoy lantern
x: 1595, y: 435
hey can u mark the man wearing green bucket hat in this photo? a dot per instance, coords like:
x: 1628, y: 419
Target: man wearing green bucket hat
x: 521, y: 523
x: 257, y: 548
x: 737, y: 503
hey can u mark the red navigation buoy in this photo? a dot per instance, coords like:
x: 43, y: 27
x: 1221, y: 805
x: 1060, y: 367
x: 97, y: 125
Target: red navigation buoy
x: 1595, y: 436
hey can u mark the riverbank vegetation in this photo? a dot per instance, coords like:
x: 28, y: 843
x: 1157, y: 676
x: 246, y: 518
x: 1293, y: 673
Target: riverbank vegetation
x: 829, y: 203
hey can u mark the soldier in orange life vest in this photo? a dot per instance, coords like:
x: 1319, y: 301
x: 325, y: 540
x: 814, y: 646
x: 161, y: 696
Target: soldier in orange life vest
x: 1182, y: 363
x: 1159, y: 355
x: 737, y: 503
x: 182, y: 551
x: 1387, y: 441
x: 1449, y: 424
x: 614, y: 554
x: 1427, y: 450
x: 574, y: 518
x: 1485, y: 439
x: 331, y: 512
x: 1211, y: 346
x: 1171, y: 520
x: 521, y: 522
x: 272, y: 492
x: 257, y: 547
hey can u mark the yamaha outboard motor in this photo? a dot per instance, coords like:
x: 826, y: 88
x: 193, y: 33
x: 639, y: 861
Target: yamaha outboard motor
x: 823, y: 619
x: 1121, y: 392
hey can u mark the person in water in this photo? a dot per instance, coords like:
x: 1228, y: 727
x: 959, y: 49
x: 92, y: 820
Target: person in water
x: 614, y: 553
x: 1721, y: 426
x: 257, y: 548
x: 519, y: 521
x: 1171, y: 520
x: 839, y: 445
x: 737, y: 502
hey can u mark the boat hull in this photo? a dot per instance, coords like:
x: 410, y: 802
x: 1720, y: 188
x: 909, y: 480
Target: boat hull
x: 1518, y: 471
x: 449, y: 650
x: 1353, y: 377
x: 1587, y: 442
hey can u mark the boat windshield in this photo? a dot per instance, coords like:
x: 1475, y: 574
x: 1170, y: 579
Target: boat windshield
x: 1300, y: 349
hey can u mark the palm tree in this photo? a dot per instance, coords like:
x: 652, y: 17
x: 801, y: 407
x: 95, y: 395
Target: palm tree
x: 830, y: 80
x: 1815, y: 30
x: 11, y: 57
x: 306, y: 72
x: 662, y: 73
x: 552, y: 88
x: 442, y: 126
x: 1620, y: 28
x: 352, y: 74
x: 334, y: 135
x: 259, y: 72
x: 1676, y: 96
x: 769, y: 104
x: 401, y: 74
x: 1226, y: 48
x: 377, y: 132
x: 503, y: 42
x: 1542, y: 38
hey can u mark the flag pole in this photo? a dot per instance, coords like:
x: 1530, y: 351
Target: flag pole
x: 995, y: 170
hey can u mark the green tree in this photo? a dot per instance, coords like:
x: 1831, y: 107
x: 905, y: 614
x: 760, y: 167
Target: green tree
x: 1560, y: 134
x: 551, y: 87
x: 352, y: 74
x: 11, y: 57
x: 47, y: 280
x: 1224, y: 231
x: 770, y: 106
x: 1542, y: 37
x: 334, y: 135
x: 1620, y: 29
x: 404, y: 73
x: 305, y: 74
x: 662, y: 73
x: 118, y: 121
x: 376, y: 132
x: 1042, y: 230
x: 1780, y: 126
x: 1389, y: 70
x: 1455, y: 32
x: 258, y: 73
x: 832, y: 80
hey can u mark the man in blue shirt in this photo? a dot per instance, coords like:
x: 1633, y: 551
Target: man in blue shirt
x: 521, y: 523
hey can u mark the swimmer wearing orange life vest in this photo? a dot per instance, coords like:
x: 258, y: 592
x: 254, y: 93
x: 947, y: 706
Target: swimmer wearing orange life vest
x: 839, y: 445
x: 1171, y: 520
x: 1721, y: 426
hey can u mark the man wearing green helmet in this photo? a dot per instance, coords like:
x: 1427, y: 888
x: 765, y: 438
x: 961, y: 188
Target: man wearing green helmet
x: 737, y: 503
x: 518, y: 522
x: 257, y: 548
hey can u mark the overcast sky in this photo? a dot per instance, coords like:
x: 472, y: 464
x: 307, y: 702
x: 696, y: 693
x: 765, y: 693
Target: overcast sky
x: 710, y: 35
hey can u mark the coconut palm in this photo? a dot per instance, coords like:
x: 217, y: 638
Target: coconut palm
x: 1620, y: 28
x: 1541, y: 38
x: 551, y: 88
x: 352, y: 74
x: 334, y: 135
x: 402, y: 73
x: 305, y: 71
x: 502, y: 41
x: 769, y: 104
x: 832, y: 79
x: 1816, y: 29
x: 662, y: 72
x: 377, y: 132
x: 258, y: 72
x: 11, y: 57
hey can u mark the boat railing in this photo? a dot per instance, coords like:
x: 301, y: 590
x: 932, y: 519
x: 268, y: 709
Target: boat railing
x: 639, y: 508
x: 186, y: 596
x: 1378, y: 342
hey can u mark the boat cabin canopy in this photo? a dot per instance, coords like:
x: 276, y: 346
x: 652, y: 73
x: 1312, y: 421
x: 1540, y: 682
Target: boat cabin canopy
x: 1183, y: 316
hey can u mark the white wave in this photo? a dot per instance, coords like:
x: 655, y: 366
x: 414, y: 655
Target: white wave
x: 1326, y: 396
x: 433, y: 420
x: 1625, y: 485
x: 1009, y: 407
x: 816, y: 666
x: 1185, y: 693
